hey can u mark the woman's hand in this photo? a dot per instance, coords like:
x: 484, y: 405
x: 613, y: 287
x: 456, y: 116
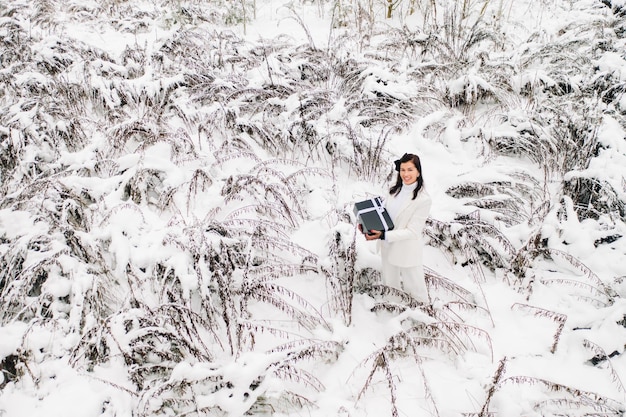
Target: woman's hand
x: 373, y: 235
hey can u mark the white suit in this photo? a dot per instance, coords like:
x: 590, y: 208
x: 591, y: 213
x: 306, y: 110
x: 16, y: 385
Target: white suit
x: 401, y: 250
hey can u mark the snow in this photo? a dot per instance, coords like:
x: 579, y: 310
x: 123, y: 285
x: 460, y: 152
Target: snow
x: 613, y: 63
x: 101, y: 335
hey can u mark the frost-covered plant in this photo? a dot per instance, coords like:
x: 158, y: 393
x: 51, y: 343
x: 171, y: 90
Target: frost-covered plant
x: 459, y: 27
x: 161, y: 188
x: 341, y: 274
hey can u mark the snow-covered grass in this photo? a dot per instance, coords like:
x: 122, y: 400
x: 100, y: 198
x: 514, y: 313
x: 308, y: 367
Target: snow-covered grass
x: 176, y: 228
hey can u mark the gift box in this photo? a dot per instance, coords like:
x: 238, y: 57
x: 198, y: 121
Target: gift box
x: 372, y: 215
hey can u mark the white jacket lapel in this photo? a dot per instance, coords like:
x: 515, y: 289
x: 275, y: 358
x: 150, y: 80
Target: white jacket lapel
x: 404, y: 207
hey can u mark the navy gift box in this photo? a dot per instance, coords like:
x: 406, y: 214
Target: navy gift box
x: 372, y: 215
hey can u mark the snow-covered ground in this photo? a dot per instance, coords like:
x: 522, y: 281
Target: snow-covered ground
x: 176, y: 234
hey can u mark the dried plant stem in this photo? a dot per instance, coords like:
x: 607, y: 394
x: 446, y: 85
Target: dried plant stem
x: 495, y: 383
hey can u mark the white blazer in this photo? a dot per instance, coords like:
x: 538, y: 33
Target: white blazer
x: 404, y: 244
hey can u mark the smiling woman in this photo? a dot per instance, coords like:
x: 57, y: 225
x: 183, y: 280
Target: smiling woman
x: 401, y: 249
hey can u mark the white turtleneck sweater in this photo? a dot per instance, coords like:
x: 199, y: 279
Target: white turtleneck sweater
x: 395, y: 204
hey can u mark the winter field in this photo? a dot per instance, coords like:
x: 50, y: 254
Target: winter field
x: 177, y: 181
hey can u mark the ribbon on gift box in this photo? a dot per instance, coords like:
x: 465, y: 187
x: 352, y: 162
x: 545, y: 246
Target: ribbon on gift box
x: 378, y: 207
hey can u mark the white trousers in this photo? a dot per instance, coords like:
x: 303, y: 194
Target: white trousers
x: 410, y: 280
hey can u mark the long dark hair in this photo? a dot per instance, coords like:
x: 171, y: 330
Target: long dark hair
x: 408, y: 157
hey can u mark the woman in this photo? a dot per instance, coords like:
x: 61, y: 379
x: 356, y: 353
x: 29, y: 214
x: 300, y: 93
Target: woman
x: 408, y: 206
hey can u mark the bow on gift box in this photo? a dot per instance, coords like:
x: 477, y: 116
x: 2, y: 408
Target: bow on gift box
x: 377, y: 206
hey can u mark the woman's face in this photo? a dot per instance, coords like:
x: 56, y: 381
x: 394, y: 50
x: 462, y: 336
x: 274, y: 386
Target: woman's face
x: 408, y: 172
